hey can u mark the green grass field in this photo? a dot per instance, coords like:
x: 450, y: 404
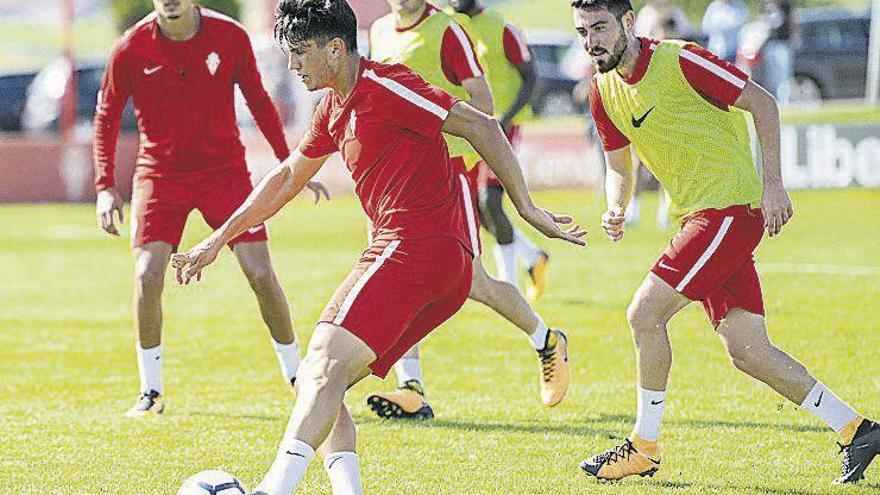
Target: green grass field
x: 67, y: 367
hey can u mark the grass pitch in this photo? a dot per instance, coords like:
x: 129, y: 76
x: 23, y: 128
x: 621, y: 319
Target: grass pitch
x: 67, y: 367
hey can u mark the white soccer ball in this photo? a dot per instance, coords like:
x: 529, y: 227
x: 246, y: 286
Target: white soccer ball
x: 212, y: 482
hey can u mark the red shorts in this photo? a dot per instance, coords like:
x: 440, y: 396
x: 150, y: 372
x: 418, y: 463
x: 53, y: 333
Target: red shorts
x: 160, y: 205
x: 710, y: 260
x: 399, y: 292
x: 485, y: 176
x: 470, y: 191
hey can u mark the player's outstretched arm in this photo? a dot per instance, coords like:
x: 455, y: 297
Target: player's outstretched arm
x: 619, y: 181
x: 269, y: 196
x: 775, y: 204
x: 484, y: 134
x: 479, y: 94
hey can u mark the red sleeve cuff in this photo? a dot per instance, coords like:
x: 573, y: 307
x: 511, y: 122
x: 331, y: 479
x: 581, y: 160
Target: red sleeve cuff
x: 104, y: 183
x: 611, y: 137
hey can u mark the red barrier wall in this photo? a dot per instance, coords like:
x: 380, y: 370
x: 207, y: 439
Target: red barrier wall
x: 40, y: 169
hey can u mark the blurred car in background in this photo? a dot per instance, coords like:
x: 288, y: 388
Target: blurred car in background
x: 553, y: 89
x: 42, y: 107
x: 830, y: 56
x: 13, y: 90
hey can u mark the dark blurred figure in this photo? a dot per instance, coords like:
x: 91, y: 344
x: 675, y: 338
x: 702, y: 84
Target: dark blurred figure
x: 779, y: 16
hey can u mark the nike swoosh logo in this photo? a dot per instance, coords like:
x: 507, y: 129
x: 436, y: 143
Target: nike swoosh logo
x: 661, y: 264
x: 295, y: 454
x: 655, y: 461
x: 152, y: 70
x: 330, y: 466
x: 254, y: 230
x: 819, y: 400
x: 638, y: 122
x: 656, y: 402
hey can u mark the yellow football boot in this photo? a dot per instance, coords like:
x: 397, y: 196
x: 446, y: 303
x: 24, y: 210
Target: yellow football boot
x: 407, y: 402
x: 554, y: 368
x: 538, y: 277
x: 633, y: 457
x: 149, y: 404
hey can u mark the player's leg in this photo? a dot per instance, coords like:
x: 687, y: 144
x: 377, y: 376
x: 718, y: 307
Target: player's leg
x: 654, y: 304
x: 219, y: 195
x: 341, y: 460
x: 159, y: 207
x: 737, y: 313
x: 256, y: 263
x: 408, y: 400
x: 536, y: 260
x: 662, y: 209
x: 551, y: 345
x: 151, y: 261
x: 336, y: 359
x: 706, y: 251
x: 491, y: 209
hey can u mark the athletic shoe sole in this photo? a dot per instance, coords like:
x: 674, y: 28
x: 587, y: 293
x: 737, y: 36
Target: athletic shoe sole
x: 386, y: 409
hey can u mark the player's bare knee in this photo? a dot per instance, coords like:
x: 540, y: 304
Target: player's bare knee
x: 748, y: 357
x: 314, y: 371
x: 261, y: 278
x: 149, y: 274
x: 640, y: 319
x: 333, y: 359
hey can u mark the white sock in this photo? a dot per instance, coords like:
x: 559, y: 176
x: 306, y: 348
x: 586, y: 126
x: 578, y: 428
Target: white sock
x: 525, y: 248
x: 344, y: 473
x: 287, y: 471
x: 663, y: 212
x: 650, y: 413
x: 150, y: 368
x: 408, y: 369
x: 288, y: 358
x: 828, y: 407
x: 505, y: 261
x: 539, y: 338
x: 631, y: 214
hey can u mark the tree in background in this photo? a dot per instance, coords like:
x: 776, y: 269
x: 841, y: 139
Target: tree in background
x: 128, y: 12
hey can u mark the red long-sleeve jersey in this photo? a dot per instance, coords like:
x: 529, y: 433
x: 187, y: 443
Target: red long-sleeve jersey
x: 183, y: 95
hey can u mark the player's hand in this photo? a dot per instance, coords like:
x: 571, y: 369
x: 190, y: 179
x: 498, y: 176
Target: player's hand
x: 318, y: 189
x: 190, y: 264
x: 613, y: 222
x: 548, y: 223
x: 776, y: 207
x: 108, y: 201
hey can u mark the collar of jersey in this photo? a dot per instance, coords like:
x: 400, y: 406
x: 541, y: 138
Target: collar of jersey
x: 643, y: 61
x: 429, y: 10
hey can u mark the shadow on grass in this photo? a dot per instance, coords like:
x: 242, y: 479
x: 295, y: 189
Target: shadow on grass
x: 723, y: 488
x: 579, y: 430
x: 629, y: 419
x: 580, y: 427
x: 242, y: 417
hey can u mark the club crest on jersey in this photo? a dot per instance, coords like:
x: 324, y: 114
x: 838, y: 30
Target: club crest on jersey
x: 213, y: 62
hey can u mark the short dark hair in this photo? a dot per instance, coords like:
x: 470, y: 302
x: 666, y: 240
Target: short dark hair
x: 297, y: 21
x: 617, y: 7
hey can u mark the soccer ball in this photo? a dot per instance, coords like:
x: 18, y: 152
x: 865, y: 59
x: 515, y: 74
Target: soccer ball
x: 212, y: 483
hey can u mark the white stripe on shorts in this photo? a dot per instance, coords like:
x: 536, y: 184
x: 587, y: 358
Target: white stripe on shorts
x: 362, y: 281
x: 469, y: 212
x: 713, y: 246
